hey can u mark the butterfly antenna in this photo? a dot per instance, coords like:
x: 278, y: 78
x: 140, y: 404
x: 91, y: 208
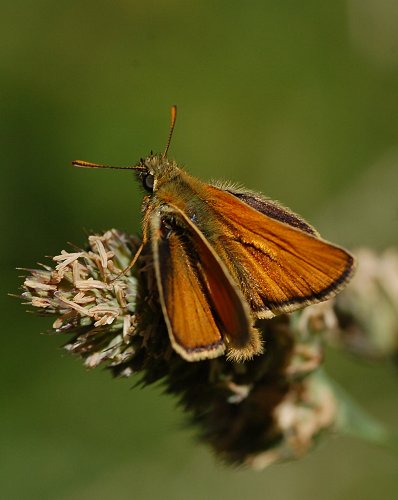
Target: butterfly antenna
x: 173, y: 113
x: 87, y: 164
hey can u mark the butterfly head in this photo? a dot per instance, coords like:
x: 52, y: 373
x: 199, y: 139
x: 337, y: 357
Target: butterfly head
x: 155, y: 170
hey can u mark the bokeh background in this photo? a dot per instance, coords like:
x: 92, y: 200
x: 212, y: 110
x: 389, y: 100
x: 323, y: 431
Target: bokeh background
x: 297, y: 99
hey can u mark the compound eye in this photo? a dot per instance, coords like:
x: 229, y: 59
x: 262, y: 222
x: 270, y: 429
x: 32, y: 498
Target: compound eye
x: 148, y: 182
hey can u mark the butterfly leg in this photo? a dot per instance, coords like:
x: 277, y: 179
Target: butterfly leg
x: 132, y: 262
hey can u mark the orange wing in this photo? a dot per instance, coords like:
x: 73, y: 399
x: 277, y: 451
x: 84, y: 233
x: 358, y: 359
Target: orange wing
x: 203, y: 308
x: 278, y: 267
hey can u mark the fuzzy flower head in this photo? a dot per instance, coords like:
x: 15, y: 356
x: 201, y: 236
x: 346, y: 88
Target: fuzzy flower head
x: 91, y: 298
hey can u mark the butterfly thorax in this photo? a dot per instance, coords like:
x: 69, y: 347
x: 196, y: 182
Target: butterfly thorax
x: 174, y: 187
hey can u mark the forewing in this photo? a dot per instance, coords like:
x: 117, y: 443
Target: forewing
x: 279, y: 267
x: 203, y: 308
x: 272, y: 209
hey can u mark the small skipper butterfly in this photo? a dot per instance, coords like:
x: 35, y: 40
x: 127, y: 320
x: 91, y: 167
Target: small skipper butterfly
x: 224, y: 256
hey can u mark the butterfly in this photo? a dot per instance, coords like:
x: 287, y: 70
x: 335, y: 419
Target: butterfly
x: 225, y: 256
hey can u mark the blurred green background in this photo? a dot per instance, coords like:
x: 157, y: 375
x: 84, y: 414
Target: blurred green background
x: 297, y: 99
